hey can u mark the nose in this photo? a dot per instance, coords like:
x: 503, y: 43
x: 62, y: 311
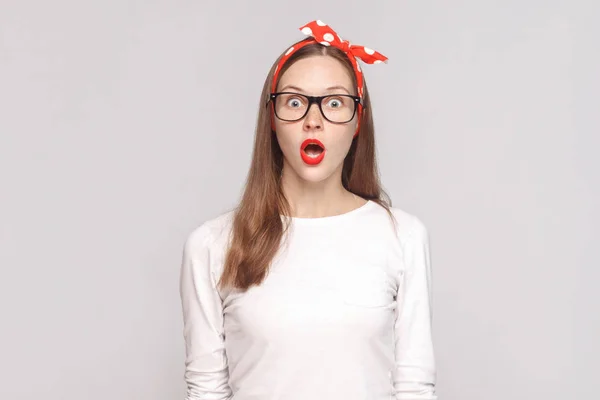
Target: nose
x: 313, y: 119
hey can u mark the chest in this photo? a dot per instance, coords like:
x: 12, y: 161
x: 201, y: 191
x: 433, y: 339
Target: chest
x: 316, y: 289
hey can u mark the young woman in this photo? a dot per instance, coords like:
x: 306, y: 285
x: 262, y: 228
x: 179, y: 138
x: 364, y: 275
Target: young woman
x: 314, y: 287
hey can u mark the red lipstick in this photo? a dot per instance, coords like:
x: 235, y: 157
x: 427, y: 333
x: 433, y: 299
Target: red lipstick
x: 312, y: 151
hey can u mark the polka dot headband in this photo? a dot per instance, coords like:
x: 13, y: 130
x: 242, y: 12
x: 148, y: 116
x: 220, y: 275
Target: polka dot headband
x: 323, y: 34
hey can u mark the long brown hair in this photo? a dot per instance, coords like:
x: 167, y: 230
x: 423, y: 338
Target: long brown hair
x: 258, y: 228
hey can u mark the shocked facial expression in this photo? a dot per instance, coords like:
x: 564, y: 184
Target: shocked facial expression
x: 315, y: 134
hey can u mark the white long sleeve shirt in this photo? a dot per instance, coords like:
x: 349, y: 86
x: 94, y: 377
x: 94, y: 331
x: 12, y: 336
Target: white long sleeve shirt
x: 344, y: 313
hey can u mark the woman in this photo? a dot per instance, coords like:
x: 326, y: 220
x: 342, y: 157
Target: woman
x: 314, y: 287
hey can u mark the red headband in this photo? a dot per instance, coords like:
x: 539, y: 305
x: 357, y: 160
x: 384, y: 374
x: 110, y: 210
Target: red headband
x: 326, y: 36
x: 323, y: 34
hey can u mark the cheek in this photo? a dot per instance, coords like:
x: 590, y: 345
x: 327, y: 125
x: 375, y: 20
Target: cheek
x: 341, y: 140
x: 286, y: 138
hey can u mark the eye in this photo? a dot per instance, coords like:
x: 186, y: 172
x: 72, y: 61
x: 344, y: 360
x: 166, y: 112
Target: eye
x: 334, y: 102
x: 294, y: 102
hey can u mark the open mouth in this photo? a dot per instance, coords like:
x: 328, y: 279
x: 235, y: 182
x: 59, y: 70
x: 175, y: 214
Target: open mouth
x: 312, y: 151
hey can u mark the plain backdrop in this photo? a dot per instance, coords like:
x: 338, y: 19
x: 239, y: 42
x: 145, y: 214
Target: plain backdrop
x: 125, y: 124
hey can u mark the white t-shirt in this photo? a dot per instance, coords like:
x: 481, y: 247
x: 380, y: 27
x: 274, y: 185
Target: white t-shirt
x: 344, y: 313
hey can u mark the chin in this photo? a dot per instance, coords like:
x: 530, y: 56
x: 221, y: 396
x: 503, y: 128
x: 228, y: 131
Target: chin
x: 314, y: 174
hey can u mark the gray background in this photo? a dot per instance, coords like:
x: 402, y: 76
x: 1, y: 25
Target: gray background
x: 125, y: 124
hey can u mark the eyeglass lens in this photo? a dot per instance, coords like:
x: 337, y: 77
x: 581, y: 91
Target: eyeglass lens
x: 336, y: 108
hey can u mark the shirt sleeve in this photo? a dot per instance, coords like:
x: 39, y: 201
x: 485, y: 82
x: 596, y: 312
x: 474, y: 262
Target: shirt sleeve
x: 415, y: 373
x: 206, y: 370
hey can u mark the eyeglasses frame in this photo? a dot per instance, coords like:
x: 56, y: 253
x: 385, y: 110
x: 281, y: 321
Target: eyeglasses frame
x: 315, y: 99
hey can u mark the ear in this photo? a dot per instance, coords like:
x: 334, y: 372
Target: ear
x: 272, y: 114
x: 358, y: 117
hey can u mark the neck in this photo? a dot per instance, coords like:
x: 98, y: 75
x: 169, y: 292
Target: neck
x: 315, y: 199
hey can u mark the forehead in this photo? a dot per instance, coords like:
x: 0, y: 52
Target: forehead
x: 315, y: 74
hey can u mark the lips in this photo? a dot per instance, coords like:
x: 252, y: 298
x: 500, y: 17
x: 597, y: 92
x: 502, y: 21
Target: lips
x: 312, y: 151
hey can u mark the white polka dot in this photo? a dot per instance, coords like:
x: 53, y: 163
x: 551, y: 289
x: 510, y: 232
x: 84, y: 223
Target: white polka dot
x: 377, y: 62
x: 289, y: 50
x: 358, y: 66
x: 369, y: 51
x: 307, y: 31
x: 325, y: 43
x: 321, y: 23
x: 328, y: 37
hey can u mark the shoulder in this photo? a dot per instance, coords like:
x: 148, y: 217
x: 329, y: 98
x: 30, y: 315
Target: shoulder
x: 411, y: 223
x: 408, y: 226
x: 212, y: 232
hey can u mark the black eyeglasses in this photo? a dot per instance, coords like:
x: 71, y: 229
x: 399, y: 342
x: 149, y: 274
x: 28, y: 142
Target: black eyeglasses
x: 336, y: 108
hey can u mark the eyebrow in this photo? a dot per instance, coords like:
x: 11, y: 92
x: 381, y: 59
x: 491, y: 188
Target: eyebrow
x: 301, y: 90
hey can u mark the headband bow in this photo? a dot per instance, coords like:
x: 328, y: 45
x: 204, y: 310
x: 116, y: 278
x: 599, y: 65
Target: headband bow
x: 323, y: 34
x: 327, y: 37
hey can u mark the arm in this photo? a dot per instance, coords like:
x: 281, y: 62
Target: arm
x: 415, y: 374
x: 206, y: 372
